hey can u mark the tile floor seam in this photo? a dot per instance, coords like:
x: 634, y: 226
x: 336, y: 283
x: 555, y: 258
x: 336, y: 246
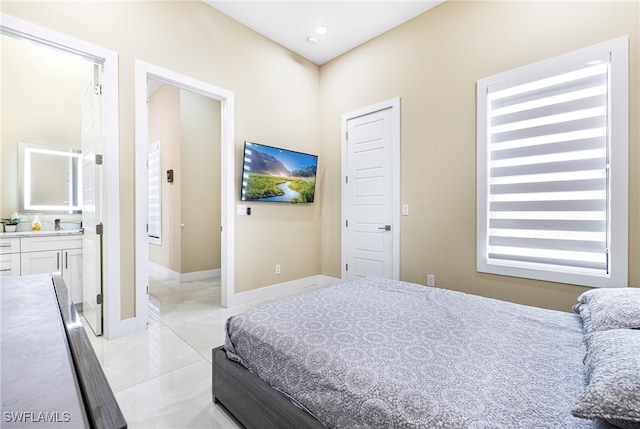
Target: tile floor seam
x: 155, y: 378
x: 183, y: 340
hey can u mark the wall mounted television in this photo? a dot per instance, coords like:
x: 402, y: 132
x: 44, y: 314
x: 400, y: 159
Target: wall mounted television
x: 279, y: 175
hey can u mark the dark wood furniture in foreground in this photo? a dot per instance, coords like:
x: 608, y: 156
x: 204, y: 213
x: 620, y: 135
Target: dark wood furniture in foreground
x: 100, y: 403
x: 252, y: 401
x: 51, y: 376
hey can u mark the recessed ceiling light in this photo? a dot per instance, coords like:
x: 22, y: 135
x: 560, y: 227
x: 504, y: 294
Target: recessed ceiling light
x: 312, y: 40
x: 321, y: 30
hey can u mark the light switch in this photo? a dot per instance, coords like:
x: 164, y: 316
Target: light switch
x: 241, y: 210
x: 405, y: 210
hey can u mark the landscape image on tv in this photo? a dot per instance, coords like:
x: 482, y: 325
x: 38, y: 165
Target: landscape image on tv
x: 275, y: 174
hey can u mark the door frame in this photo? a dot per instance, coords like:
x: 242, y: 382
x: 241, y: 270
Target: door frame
x: 113, y: 326
x: 143, y: 72
x: 394, y: 105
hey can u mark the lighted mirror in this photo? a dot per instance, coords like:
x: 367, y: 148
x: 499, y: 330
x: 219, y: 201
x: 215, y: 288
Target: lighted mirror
x: 50, y: 180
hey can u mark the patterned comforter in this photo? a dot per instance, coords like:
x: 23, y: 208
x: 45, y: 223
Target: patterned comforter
x: 378, y: 353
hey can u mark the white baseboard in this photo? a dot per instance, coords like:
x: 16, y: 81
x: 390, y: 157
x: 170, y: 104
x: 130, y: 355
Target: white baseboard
x: 163, y: 272
x: 166, y: 273
x: 282, y: 289
x: 199, y: 275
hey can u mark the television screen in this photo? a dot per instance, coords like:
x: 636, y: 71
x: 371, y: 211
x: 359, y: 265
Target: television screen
x: 275, y: 174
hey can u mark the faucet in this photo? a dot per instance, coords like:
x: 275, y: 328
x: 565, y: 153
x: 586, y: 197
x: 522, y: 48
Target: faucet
x: 57, y: 225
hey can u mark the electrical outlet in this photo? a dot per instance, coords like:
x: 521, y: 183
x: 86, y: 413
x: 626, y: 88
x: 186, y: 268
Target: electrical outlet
x: 277, y: 269
x: 431, y: 280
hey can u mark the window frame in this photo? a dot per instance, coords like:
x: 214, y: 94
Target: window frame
x: 154, y: 150
x: 618, y: 127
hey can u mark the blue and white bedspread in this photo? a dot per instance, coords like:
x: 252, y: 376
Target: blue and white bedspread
x: 378, y: 353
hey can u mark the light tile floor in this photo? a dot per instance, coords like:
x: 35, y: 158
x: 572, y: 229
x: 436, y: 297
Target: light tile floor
x: 161, y: 377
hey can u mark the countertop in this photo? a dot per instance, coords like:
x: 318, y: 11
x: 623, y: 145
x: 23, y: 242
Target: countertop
x: 51, y: 376
x: 40, y: 233
x: 39, y: 385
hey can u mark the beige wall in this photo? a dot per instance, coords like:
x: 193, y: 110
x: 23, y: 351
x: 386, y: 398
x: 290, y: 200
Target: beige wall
x: 41, y: 103
x: 200, y: 125
x: 276, y: 100
x: 433, y: 63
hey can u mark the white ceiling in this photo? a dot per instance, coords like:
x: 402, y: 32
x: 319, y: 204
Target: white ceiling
x: 350, y: 23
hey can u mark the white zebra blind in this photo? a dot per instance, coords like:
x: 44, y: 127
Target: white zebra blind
x: 548, y: 170
x: 553, y: 169
x: 154, y: 223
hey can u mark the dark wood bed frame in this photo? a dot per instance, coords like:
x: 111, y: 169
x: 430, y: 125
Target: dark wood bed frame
x: 252, y: 401
x: 100, y: 403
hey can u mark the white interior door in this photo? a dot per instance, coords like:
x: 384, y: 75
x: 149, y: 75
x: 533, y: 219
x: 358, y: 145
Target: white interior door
x: 91, y: 199
x: 370, y: 225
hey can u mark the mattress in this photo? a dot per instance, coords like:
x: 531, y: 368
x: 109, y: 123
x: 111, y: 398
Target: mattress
x: 379, y: 353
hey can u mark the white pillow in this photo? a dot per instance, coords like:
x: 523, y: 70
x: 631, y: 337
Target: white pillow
x: 613, y: 308
x: 613, y: 390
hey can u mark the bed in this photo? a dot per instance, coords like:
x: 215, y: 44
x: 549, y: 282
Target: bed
x: 378, y: 353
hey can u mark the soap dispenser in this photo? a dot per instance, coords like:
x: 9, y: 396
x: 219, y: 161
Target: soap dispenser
x: 35, y: 224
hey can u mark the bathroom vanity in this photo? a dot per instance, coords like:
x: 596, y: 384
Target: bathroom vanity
x: 44, y: 252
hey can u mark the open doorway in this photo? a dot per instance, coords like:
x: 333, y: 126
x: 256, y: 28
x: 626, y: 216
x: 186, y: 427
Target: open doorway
x: 184, y: 197
x: 61, y: 44
x: 51, y: 118
x: 146, y: 73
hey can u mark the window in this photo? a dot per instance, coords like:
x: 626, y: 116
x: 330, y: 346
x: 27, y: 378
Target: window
x: 154, y: 169
x: 553, y: 169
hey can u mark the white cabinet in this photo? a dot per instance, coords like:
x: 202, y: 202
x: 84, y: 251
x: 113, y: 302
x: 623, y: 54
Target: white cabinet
x: 27, y: 253
x: 9, y: 256
x: 72, y: 273
x: 43, y: 262
x: 60, y: 254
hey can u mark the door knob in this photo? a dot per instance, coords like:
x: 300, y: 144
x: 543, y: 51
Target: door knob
x: 386, y: 227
